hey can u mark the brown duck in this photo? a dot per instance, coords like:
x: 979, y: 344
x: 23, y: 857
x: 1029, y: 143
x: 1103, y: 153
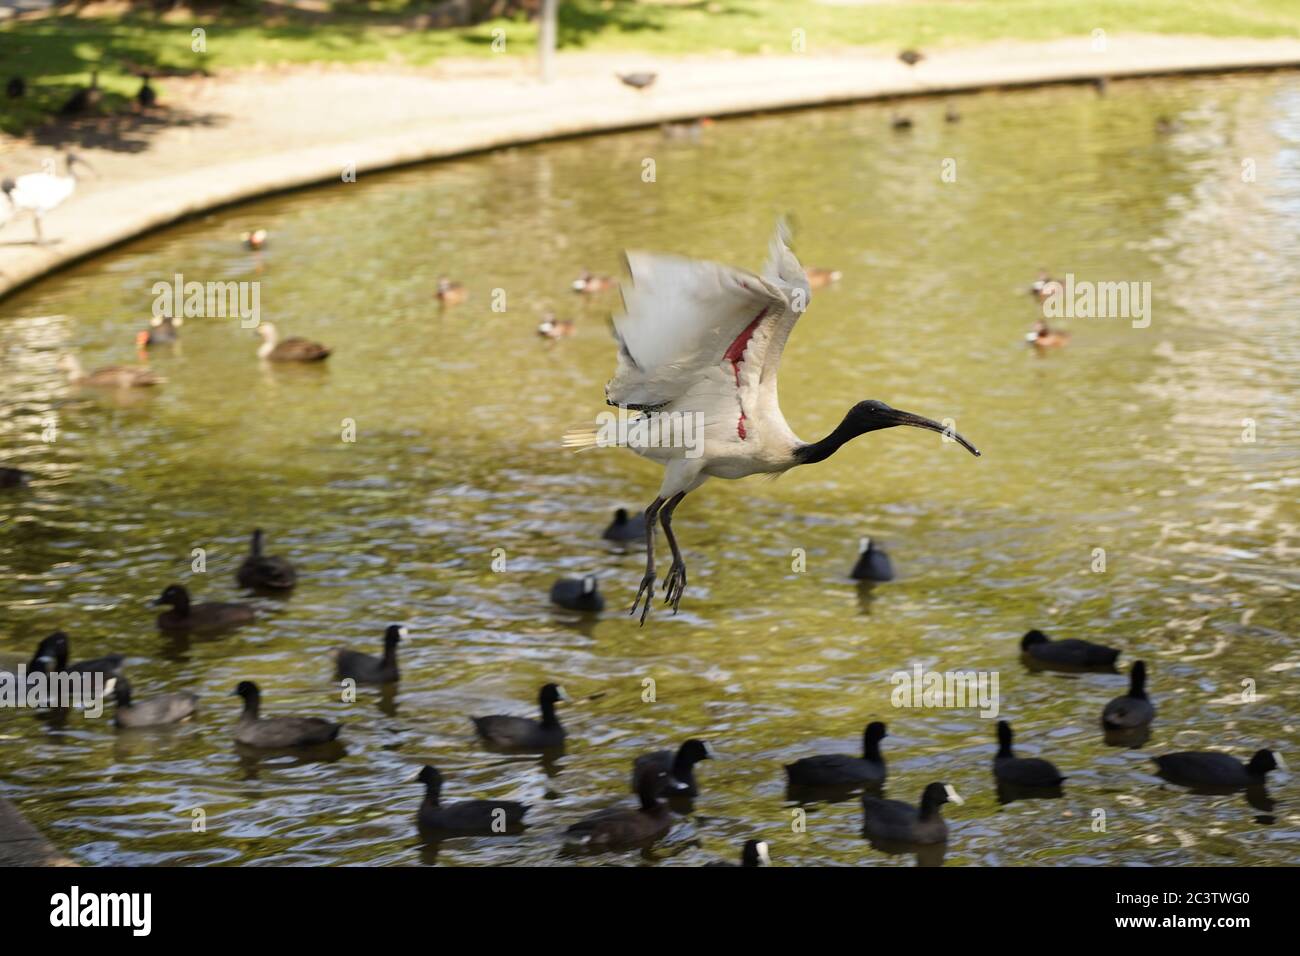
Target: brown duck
x: 292, y: 349
x: 110, y: 376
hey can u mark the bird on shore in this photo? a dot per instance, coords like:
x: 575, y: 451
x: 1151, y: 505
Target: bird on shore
x: 1134, y: 709
x: 53, y: 652
x: 900, y: 122
x: 843, y: 770
x: 1041, y: 337
x: 589, y: 284
x: 638, y: 81
x: 873, y: 563
x: 702, y: 341
x: 368, y: 669
x: 577, y: 594
x: 753, y: 853
x: 449, y: 293
x: 465, y: 816
x: 84, y: 99
x: 154, y: 712
x: 521, y: 733
x: 186, y: 616
x: 254, y: 239
x: 110, y: 376
x: 1029, y: 772
x: 895, y: 821
x: 293, y: 349
x: 13, y: 477
x: 262, y: 571
x: 625, y: 527
x: 553, y: 328
x: 41, y: 193
x: 1072, y: 653
x: 163, y: 330
x: 911, y: 57
x: 819, y: 278
x: 146, y: 97
x: 275, y: 733
x: 16, y: 88
x: 1206, y: 768
x: 677, y: 767
x: 618, y: 827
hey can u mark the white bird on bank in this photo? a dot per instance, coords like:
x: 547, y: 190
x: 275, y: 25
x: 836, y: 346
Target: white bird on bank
x: 41, y: 193
x: 701, y: 342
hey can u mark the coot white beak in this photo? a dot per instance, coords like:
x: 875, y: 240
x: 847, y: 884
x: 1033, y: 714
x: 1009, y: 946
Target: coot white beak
x: 953, y: 795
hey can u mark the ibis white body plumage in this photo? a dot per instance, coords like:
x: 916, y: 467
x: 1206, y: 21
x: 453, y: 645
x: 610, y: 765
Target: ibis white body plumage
x: 704, y: 340
x: 42, y: 193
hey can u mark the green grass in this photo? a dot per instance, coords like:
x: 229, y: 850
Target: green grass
x: 55, y: 54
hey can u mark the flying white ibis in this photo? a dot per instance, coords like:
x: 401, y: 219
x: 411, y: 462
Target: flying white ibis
x: 40, y: 193
x: 703, y: 341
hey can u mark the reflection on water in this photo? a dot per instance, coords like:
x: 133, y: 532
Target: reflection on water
x: 1129, y: 440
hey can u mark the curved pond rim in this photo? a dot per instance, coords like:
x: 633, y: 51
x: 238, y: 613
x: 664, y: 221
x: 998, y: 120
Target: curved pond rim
x: 295, y: 175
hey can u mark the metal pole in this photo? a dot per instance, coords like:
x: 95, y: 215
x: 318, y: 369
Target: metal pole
x: 546, y: 38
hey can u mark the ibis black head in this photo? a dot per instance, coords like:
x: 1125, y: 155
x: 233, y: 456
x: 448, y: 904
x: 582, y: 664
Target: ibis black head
x: 1032, y: 638
x: 394, y: 635
x: 871, y: 415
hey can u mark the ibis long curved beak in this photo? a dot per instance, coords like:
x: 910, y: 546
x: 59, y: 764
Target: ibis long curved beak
x: 896, y: 417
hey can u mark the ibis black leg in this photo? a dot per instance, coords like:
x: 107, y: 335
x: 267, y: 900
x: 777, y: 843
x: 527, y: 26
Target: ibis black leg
x: 647, y: 587
x: 675, y: 582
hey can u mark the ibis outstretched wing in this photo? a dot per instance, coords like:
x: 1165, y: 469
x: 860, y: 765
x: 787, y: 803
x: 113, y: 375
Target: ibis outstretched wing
x: 685, y: 317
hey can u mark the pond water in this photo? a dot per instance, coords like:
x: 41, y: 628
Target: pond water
x: 1131, y: 440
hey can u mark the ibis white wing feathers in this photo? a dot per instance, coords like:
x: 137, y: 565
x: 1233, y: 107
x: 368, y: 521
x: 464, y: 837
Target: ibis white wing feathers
x: 681, y: 316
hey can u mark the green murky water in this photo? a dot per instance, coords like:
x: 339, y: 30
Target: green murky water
x: 1130, y: 440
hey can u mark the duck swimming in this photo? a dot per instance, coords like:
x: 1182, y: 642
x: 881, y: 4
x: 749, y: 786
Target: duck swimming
x: 1134, y: 709
x: 589, y: 284
x: 678, y: 768
x: 843, y: 770
x: 618, y: 827
x: 253, y: 730
x: 292, y: 349
x: 521, y: 733
x: 155, y: 712
x: 1037, y: 648
x: 1044, y: 338
x: 1029, y: 772
x: 163, y: 330
x: 897, y: 822
x: 466, y: 816
x: 264, y: 572
x: 450, y: 293
x: 368, y: 669
x: 210, y: 616
x: 110, y: 376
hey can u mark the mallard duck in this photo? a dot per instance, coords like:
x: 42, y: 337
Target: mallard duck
x: 293, y: 349
x: 110, y: 376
